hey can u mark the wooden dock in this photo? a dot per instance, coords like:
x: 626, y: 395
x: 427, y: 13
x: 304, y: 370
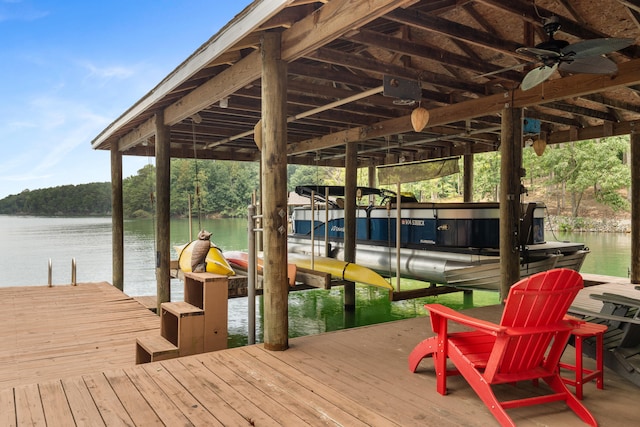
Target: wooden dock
x: 61, y: 331
x: 353, y: 377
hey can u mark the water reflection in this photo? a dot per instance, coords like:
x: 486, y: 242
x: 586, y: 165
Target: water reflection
x: 28, y: 242
x: 610, y: 252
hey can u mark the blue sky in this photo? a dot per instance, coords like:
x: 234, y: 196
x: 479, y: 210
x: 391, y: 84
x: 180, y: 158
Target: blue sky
x: 70, y: 68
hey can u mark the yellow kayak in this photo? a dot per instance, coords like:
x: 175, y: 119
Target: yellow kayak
x: 341, y: 270
x: 215, y: 262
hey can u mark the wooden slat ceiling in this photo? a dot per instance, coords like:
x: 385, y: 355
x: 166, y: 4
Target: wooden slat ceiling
x: 341, y: 49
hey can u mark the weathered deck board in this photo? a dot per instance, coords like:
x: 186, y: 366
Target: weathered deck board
x: 352, y: 377
x: 584, y: 301
x: 135, y: 406
x: 55, y: 403
x: 56, y: 332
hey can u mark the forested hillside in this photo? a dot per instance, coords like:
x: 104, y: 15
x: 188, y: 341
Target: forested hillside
x: 67, y: 200
x: 561, y: 178
x: 215, y: 188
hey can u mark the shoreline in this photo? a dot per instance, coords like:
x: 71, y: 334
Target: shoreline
x: 590, y: 225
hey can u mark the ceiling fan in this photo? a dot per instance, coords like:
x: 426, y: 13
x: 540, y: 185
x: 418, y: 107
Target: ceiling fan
x: 581, y: 57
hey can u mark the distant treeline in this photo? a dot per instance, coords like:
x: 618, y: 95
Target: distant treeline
x: 215, y: 188
x: 66, y: 200
x: 560, y: 178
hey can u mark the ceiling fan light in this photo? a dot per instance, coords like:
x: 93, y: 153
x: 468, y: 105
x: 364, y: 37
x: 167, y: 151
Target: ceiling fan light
x: 539, y: 145
x: 419, y: 118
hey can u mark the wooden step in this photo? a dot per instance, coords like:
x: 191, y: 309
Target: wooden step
x: 210, y: 292
x: 181, y: 309
x: 153, y: 348
x: 182, y: 324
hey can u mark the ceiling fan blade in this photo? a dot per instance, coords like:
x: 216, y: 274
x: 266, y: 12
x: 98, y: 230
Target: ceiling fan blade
x: 537, y: 76
x: 502, y: 70
x: 593, y: 65
x: 596, y: 47
x: 537, y: 52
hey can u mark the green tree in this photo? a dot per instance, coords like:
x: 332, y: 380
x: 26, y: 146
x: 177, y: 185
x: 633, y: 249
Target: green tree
x: 597, y: 164
x: 188, y: 180
x: 71, y: 200
x: 313, y: 175
x: 139, y: 193
x: 486, y: 174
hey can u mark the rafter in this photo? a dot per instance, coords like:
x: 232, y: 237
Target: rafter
x: 631, y: 4
x: 555, y: 90
x: 424, y: 51
x: 613, y: 103
x: 580, y: 111
x: 338, y: 48
x: 379, y: 68
x: 455, y: 30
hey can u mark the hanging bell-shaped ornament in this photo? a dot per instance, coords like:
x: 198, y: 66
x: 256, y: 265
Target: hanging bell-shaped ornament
x: 419, y: 118
x: 539, y: 145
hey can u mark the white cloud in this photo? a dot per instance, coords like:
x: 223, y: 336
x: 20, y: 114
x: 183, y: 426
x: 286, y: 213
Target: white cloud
x: 104, y: 74
x: 16, y: 10
x: 49, y: 144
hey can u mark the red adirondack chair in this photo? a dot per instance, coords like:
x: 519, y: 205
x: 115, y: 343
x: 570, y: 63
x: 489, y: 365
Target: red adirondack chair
x: 526, y: 345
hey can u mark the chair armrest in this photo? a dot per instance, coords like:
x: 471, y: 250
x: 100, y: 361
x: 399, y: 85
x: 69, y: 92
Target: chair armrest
x: 616, y: 299
x: 597, y: 315
x: 575, y: 321
x: 463, y: 319
x: 532, y: 330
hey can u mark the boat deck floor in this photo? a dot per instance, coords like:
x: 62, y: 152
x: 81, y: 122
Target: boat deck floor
x: 351, y: 377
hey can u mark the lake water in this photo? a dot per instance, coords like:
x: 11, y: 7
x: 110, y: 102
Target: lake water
x: 28, y: 243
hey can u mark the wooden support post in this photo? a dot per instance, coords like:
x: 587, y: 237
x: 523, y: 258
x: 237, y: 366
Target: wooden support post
x: 163, y: 174
x: 274, y: 193
x: 351, y: 175
x: 117, y: 219
x: 635, y: 205
x: 467, y: 192
x: 510, y: 167
x: 467, y: 298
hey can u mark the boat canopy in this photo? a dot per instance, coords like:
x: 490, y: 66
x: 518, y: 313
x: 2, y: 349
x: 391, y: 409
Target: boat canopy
x: 418, y: 171
x: 339, y: 191
x: 320, y: 191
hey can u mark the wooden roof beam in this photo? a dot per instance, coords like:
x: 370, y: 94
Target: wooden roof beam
x: 141, y: 133
x: 580, y: 111
x: 631, y: 4
x: 374, y: 66
x: 614, y: 103
x: 406, y: 47
x: 554, y: 90
x: 216, y: 46
x: 323, y: 25
x: 550, y: 118
x: 592, y: 132
x: 525, y: 10
x: 455, y: 30
x: 350, y: 79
